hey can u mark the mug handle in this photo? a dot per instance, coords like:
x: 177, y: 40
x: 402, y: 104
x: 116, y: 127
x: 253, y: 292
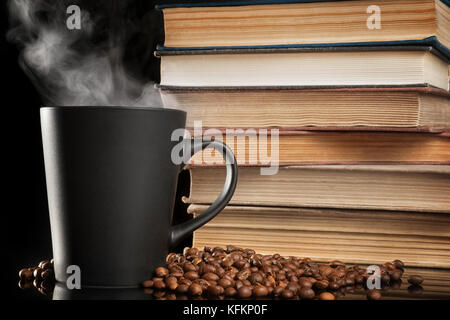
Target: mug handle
x: 180, y: 231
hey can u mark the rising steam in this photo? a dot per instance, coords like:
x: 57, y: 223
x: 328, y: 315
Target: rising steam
x: 75, y: 67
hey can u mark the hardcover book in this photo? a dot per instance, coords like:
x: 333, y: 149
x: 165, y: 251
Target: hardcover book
x: 376, y: 108
x: 325, y: 67
x: 267, y: 23
x: 375, y: 187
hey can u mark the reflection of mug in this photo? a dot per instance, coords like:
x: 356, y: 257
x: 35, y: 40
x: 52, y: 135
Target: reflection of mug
x: 111, y: 188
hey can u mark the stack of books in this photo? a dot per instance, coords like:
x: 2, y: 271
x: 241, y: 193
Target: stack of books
x: 347, y: 100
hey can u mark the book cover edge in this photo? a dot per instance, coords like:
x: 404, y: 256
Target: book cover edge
x: 428, y: 44
x: 248, y: 3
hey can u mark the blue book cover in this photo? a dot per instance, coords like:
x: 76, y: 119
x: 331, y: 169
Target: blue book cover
x: 246, y: 3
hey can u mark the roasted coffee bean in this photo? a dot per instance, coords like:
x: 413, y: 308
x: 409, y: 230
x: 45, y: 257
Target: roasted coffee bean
x: 238, y: 284
x: 247, y: 283
x: 326, y: 296
x: 47, y: 274
x: 227, y: 263
x: 293, y: 286
x: 349, y: 281
x: 398, y: 264
x: 336, y: 263
x: 215, y: 290
x: 333, y: 286
x: 47, y: 265
x: 385, y: 278
x: 389, y: 266
x: 260, y: 291
x: 326, y: 271
x: 172, y: 286
x: 37, y: 273
x: 147, y: 284
x: 161, y: 272
x: 307, y: 293
x: 281, y: 277
x: 255, y: 278
x: 184, y: 281
x: 190, y: 252
x: 206, y: 268
x: 188, y: 266
x: 176, y: 269
x: 242, y: 264
x: 230, y: 292
x: 243, y: 275
x: 25, y: 273
x: 277, y: 291
x: 210, y: 276
x: 47, y: 285
x: 341, y: 282
x: 396, y: 275
x: 191, y: 275
x: 305, y: 283
x: 203, y: 283
x: 176, y: 274
x: 159, y: 285
x: 322, y: 284
x: 41, y: 264
x: 287, y: 294
x: 359, y: 279
x: 225, y: 283
x: 182, y: 288
x: 195, y: 290
x: 245, y: 292
x: 220, y: 271
x: 373, y: 294
x: 415, y: 280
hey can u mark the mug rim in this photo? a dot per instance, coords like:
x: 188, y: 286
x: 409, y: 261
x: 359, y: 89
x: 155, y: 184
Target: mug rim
x: 113, y: 108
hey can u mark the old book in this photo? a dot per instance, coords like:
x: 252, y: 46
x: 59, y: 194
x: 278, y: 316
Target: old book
x: 290, y: 23
x: 325, y: 67
x: 349, y: 247
x: 356, y: 236
x: 418, y: 224
x: 393, y: 108
x: 259, y: 147
x: 375, y: 187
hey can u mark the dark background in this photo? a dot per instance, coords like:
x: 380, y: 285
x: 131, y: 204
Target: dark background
x: 28, y: 239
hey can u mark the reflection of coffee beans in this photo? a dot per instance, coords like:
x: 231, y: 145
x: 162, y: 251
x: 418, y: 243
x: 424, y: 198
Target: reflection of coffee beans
x: 415, y: 280
x: 415, y: 289
x: 326, y: 296
x: 373, y: 294
x: 41, y: 277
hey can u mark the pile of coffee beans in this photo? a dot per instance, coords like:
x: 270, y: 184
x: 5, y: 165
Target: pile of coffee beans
x: 41, y: 277
x: 234, y: 272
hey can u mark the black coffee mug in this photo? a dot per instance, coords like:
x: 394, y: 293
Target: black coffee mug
x: 111, y: 186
